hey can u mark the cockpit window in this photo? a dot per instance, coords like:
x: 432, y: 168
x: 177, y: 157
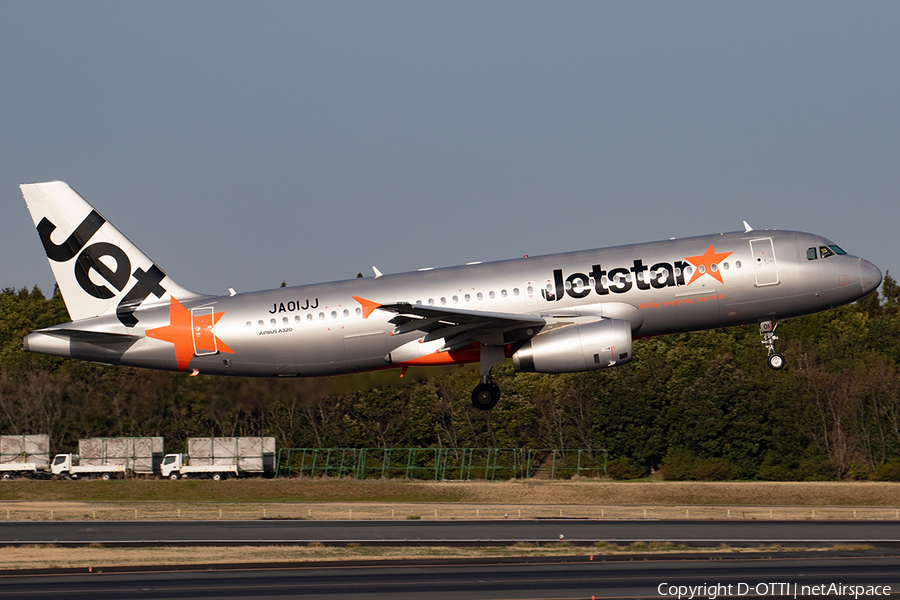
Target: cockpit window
x: 824, y: 252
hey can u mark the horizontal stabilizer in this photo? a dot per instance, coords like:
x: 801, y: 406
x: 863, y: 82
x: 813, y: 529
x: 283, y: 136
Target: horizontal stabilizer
x: 98, y: 346
x: 90, y: 337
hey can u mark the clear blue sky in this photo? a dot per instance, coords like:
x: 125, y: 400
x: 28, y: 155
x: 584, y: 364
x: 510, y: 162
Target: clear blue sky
x: 240, y: 144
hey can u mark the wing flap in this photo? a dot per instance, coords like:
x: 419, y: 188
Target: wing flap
x: 459, y: 327
x: 458, y: 316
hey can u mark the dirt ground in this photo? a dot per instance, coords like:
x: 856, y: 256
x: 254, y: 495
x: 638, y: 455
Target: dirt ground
x: 97, y: 557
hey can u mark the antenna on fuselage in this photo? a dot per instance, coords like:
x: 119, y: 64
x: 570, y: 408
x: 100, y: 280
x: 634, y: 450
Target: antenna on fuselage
x: 747, y: 228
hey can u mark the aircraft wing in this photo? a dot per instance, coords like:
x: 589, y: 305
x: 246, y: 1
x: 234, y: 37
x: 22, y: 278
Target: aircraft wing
x: 458, y: 327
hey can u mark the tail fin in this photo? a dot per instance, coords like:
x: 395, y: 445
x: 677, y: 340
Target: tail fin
x: 98, y: 270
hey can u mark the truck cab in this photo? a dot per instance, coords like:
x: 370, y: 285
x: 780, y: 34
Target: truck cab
x: 62, y: 463
x: 171, y: 466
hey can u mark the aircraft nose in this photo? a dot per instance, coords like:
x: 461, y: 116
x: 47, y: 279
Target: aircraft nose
x: 869, y: 276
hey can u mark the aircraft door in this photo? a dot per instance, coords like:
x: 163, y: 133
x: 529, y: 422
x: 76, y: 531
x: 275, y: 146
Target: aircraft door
x: 764, y: 266
x: 202, y: 323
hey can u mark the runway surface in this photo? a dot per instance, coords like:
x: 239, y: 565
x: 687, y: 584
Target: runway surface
x: 778, y: 577
x: 483, y: 532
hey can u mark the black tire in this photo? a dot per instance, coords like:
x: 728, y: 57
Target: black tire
x: 7, y: 476
x: 775, y: 361
x: 173, y: 476
x: 485, y: 396
x: 218, y: 476
x: 105, y: 476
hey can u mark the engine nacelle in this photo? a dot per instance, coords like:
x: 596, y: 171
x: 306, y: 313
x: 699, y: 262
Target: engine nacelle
x: 588, y: 347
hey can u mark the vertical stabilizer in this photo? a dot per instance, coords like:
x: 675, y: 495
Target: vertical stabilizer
x: 98, y: 270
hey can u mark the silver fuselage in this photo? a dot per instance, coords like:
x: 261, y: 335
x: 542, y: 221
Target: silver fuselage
x: 321, y: 329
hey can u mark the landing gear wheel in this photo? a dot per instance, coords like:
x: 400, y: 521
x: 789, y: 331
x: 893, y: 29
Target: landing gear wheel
x: 775, y: 361
x: 767, y: 331
x: 485, y: 396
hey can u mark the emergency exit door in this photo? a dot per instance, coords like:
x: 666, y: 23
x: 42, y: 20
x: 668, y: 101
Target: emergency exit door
x: 202, y: 323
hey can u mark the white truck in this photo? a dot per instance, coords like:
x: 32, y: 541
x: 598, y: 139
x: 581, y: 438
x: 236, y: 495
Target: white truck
x: 177, y: 466
x: 20, y: 469
x: 68, y: 466
x: 24, y: 456
x: 222, y: 457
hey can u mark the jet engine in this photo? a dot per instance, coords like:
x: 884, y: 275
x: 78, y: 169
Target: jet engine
x: 587, y: 347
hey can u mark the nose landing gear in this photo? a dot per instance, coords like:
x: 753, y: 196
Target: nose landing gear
x: 767, y: 331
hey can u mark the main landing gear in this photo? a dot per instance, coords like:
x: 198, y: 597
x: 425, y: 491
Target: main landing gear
x: 487, y: 393
x: 767, y: 331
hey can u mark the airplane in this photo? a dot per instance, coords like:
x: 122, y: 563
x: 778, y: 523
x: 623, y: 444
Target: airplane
x: 559, y: 313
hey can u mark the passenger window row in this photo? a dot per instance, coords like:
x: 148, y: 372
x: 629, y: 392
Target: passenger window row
x: 310, y: 317
x: 443, y: 301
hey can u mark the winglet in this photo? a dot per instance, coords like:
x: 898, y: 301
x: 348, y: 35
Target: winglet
x: 367, y: 306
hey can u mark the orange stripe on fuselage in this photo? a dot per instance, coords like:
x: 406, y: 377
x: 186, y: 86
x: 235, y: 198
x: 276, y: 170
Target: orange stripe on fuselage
x: 464, y: 356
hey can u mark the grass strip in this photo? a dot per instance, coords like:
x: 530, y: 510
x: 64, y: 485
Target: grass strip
x: 582, y: 492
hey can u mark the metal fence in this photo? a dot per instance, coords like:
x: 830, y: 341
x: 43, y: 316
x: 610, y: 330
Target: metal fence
x: 442, y: 464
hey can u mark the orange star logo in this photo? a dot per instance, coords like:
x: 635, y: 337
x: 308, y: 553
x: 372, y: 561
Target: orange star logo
x: 187, y: 333
x: 705, y: 262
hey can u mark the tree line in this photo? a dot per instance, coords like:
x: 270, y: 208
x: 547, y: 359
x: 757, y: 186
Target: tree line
x: 692, y: 406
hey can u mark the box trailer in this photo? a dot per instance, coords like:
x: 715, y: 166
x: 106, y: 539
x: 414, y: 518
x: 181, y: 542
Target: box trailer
x: 139, y: 455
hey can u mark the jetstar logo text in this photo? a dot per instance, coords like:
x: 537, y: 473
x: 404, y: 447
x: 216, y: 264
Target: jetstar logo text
x: 644, y: 277
x: 147, y: 282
